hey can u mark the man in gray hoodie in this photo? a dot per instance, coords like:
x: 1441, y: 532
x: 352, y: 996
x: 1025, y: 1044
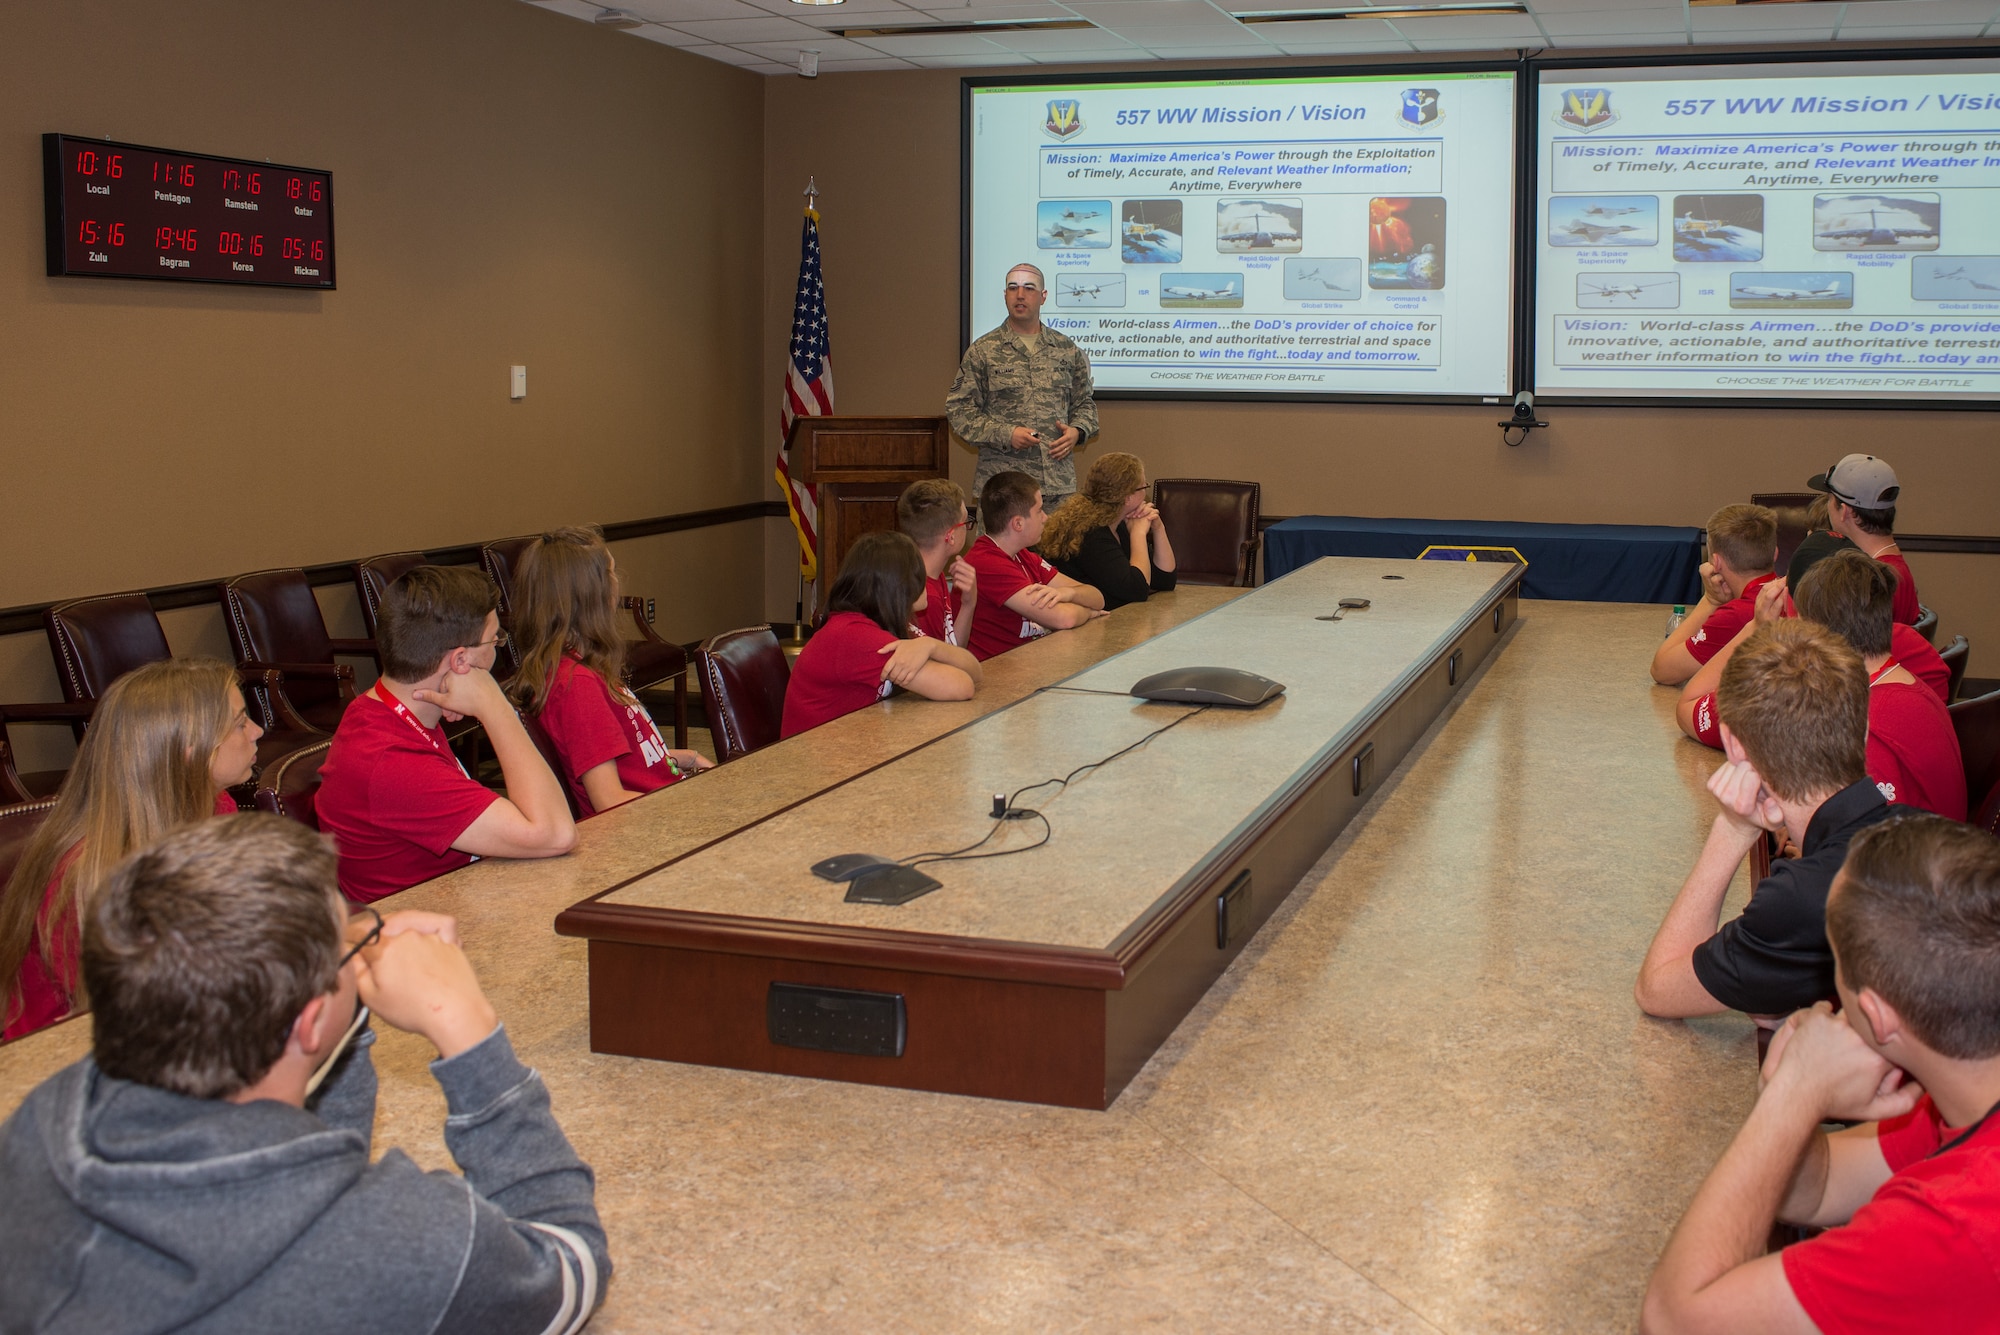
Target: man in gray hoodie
x: 207, y: 1167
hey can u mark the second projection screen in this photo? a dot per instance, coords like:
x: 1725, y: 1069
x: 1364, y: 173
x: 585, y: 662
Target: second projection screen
x: 1802, y: 230
x: 1285, y: 236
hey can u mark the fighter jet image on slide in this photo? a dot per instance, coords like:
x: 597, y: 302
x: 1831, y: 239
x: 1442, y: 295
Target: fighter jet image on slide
x: 1791, y: 291
x: 1600, y: 211
x: 1061, y: 224
x: 1599, y: 233
x: 1090, y: 290
x: 1069, y: 236
x: 1071, y: 215
x: 1875, y: 222
x: 1650, y: 291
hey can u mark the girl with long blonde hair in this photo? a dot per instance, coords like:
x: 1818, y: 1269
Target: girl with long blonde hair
x: 572, y: 676
x: 1109, y: 536
x: 164, y: 744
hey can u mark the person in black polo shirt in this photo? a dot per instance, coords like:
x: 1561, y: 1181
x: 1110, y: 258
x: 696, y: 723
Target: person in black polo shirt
x: 1794, y: 709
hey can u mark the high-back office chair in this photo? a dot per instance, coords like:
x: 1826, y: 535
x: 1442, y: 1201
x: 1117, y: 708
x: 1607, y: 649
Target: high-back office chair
x: 98, y: 640
x: 378, y: 573
x: 650, y: 661
x: 1213, y: 524
x: 290, y: 785
x: 274, y: 621
x: 550, y: 757
x: 743, y: 678
x: 1977, y: 723
x: 1955, y: 656
x: 1926, y: 623
x: 1791, y: 507
x: 15, y: 786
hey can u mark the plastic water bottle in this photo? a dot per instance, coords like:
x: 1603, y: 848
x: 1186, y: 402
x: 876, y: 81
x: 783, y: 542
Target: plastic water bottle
x: 1675, y: 617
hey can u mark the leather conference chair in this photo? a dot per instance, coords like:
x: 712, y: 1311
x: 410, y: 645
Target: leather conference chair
x: 275, y: 622
x: 290, y: 785
x: 98, y: 640
x: 378, y: 573
x: 743, y: 679
x: 1955, y: 655
x: 1791, y: 507
x: 1977, y: 723
x: 1213, y: 525
x: 1926, y: 623
x: 551, y: 757
x: 650, y: 662
x: 15, y: 786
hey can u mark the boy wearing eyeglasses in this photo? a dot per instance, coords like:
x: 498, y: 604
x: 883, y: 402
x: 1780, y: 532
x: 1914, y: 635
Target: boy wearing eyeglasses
x: 932, y: 514
x: 208, y: 1166
x: 400, y: 807
x: 1023, y: 395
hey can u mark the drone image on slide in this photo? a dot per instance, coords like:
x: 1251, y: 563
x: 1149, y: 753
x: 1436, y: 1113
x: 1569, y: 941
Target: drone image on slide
x: 1609, y: 292
x: 1099, y: 290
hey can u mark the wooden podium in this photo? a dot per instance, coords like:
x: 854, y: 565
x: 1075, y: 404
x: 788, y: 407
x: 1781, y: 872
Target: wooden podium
x: 861, y: 465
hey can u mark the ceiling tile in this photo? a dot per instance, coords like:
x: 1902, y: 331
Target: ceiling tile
x: 1913, y: 33
x: 1919, y: 13
x: 829, y: 48
x: 1214, y: 52
x: 1346, y: 30
x: 1129, y: 53
x: 770, y: 28
x: 729, y: 55
x: 948, y: 44
x: 1498, y: 28
x: 1763, y: 18
x: 1069, y: 39
x: 1309, y: 48
x: 1459, y: 43
x: 1669, y: 11
x: 1612, y: 22
x: 576, y: 9
x: 1159, y: 38
x: 1590, y: 42
x: 1013, y: 12
x: 834, y: 14
x: 677, y: 11
x: 998, y: 59
x: 1771, y: 37
x: 860, y: 66
x: 653, y: 32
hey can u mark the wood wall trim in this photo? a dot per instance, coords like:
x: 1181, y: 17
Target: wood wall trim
x: 27, y: 618
x: 1971, y: 543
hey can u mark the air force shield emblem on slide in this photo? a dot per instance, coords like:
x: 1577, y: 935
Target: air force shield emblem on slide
x: 1420, y: 108
x: 1586, y: 109
x: 1065, y: 117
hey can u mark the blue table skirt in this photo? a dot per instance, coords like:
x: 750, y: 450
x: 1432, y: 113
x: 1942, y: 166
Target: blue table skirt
x: 1606, y: 563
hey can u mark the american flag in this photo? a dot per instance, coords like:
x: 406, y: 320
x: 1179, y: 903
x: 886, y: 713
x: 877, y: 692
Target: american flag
x: 808, y: 391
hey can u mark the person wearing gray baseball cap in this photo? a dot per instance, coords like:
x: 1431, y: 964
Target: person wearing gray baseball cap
x: 1861, y: 507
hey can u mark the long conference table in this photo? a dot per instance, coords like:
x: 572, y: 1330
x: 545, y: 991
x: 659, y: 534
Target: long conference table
x: 1050, y: 969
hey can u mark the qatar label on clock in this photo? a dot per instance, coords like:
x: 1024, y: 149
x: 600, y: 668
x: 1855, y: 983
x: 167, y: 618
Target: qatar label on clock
x: 126, y: 211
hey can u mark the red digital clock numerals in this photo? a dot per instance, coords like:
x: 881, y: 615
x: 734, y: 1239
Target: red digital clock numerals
x: 89, y: 162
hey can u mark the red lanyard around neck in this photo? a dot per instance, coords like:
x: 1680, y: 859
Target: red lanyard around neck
x: 388, y: 698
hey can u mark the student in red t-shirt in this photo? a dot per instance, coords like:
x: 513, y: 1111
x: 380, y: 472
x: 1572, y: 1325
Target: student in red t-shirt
x: 1913, y: 754
x: 932, y: 513
x: 1862, y: 508
x: 1021, y: 596
x: 572, y: 674
x: 399, y: 806
x: 164, y: 743
x: 1696, y: 712
x: 1910, y: 1199
x: 1742, y: 549
x: 867, y: 647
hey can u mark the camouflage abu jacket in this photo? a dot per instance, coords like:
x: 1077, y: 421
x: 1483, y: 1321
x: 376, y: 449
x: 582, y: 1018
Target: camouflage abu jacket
x: 1001, y: 385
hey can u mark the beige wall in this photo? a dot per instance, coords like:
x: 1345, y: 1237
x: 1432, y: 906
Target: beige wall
x: 885, y: 148
x: 511, y: 186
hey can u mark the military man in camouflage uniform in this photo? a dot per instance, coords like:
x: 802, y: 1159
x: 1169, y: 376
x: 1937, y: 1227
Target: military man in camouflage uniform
x: 1023, y: 395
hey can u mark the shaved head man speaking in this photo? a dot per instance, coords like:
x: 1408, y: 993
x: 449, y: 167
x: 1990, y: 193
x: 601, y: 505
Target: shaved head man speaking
x: 1023, y: 395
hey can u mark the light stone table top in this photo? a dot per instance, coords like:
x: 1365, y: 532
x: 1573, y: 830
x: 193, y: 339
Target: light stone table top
x: 1420, y: 1101
x: 1120, y: 838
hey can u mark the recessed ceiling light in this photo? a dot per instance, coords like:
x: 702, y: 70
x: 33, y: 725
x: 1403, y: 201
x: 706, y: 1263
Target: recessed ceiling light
x: 819, y: 2
x: 953, y: 29
x: 1476, y: 10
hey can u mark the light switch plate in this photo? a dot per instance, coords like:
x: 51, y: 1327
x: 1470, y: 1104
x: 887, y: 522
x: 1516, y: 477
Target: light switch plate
x: 517, y: 382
